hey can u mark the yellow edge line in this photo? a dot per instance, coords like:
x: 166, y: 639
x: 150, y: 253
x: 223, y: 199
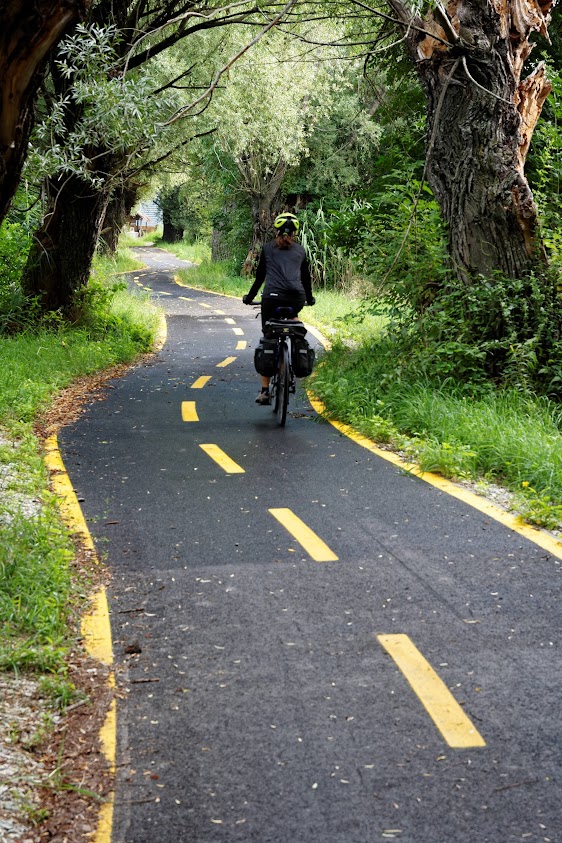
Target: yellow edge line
x: 95, y: 625
x: 189, y: 411
x: 200, y: 382
x: 313, y: 544
x: 63, y: 489
x: 444, y: 710
x: 181, y: 283
x: 222, y: 459
x: 538, y: 537
x: 226, y: 362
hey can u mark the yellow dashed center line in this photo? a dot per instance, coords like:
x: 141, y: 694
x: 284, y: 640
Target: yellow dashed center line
x: 185, y: 298
x: 226, y: 362
x: 202, y: 303
x: 238, y: 331
x: 230, y: 321
x: 189, y: 411
x: 434, y: 695
x: 313, y: 545
x: 200, y: 382
x: 222, y: 459
x: 220, y: 312
x: 241, y: 345
x: 163, y: 293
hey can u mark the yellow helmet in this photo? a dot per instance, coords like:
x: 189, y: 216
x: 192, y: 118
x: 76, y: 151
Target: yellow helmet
x: 286, y: 223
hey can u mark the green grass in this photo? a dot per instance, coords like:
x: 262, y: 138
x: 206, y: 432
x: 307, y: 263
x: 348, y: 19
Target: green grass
x: 215, y: 277
x: 196, y: 252
x: 503, y: 437
x: 122, y: 261
x: 37, y: 590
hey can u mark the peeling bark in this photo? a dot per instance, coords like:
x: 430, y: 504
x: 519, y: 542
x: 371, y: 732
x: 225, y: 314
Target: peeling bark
x: 59, y: 262
x: 30, y: 30
x: 481, y: 117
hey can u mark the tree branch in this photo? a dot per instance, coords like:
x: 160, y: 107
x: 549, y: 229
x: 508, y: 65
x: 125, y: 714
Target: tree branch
x: 209, y: 92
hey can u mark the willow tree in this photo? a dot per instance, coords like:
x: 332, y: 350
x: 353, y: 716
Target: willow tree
x: 268, y: 108
x: 30, y: 31
x: 109, y: 119
x: 481, y: 113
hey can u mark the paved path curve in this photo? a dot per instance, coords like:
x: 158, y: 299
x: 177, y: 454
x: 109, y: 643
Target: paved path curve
x: 311, y: 644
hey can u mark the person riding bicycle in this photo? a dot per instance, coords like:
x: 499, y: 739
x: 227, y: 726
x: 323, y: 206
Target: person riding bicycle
x: 284, y: 268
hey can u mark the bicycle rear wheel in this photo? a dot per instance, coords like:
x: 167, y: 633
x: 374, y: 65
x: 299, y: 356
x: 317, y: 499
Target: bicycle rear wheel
x: 282, y: 397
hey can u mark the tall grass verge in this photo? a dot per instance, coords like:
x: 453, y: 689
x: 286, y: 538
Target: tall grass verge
x: 197, y: 252
x: 501, y: 436
x: 36, y: 586
x: 217, y: 277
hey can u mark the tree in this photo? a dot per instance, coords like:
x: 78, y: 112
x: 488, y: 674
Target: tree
x: 480, y: 118
x: 98, y: 93
x: 30, y: 30
x: 265, y: 126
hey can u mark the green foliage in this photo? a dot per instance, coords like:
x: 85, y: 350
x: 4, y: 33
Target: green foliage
x: 504, y: 436
x: 216, y: 276
x: 544, y: 167
x: 330, y: 265
x: 60, y: 691
x: 196, y: 252
x: 494, y: 331
x: 397, y: 241
x: 16, y: 312
x: 34, y: 583
x: 35, y: 548
x: 186, y: 209
x: 92, y: 106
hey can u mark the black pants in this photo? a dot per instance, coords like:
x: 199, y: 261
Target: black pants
x: 270, y: 304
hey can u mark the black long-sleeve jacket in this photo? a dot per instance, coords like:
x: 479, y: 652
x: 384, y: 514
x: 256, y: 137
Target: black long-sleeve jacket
x: 285, y: 271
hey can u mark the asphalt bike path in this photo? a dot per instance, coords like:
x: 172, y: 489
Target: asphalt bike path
x: 311, y: 644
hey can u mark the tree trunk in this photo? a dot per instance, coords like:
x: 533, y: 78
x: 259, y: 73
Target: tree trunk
x: 171, y: 233
x: 30, y: 30
x: 60, y: 260
x: 219, y: 251
x: 262, y: 217
x: 118, y: 209
x: 480, y: 118
x: 265, y: 206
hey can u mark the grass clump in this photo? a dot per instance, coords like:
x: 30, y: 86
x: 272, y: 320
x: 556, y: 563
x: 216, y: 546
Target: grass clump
x: 502, y: 435
x: 198, y: 252
x: 217, y: 277
x: 36, y: 585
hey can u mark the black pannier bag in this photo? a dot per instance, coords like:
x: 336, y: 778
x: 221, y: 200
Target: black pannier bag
x: 302, y: 357
x: 265, y: 357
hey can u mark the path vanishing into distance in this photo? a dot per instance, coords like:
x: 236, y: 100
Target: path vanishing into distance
x: 311, y: 645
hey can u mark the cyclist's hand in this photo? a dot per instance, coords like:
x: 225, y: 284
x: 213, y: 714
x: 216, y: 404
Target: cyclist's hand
x: 311, y: 301
x: 247, y: 300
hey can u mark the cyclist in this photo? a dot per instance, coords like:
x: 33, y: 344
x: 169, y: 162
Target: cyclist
x: 284, y: 268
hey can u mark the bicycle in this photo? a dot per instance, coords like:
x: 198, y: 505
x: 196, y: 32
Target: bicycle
x: 283, y: 329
